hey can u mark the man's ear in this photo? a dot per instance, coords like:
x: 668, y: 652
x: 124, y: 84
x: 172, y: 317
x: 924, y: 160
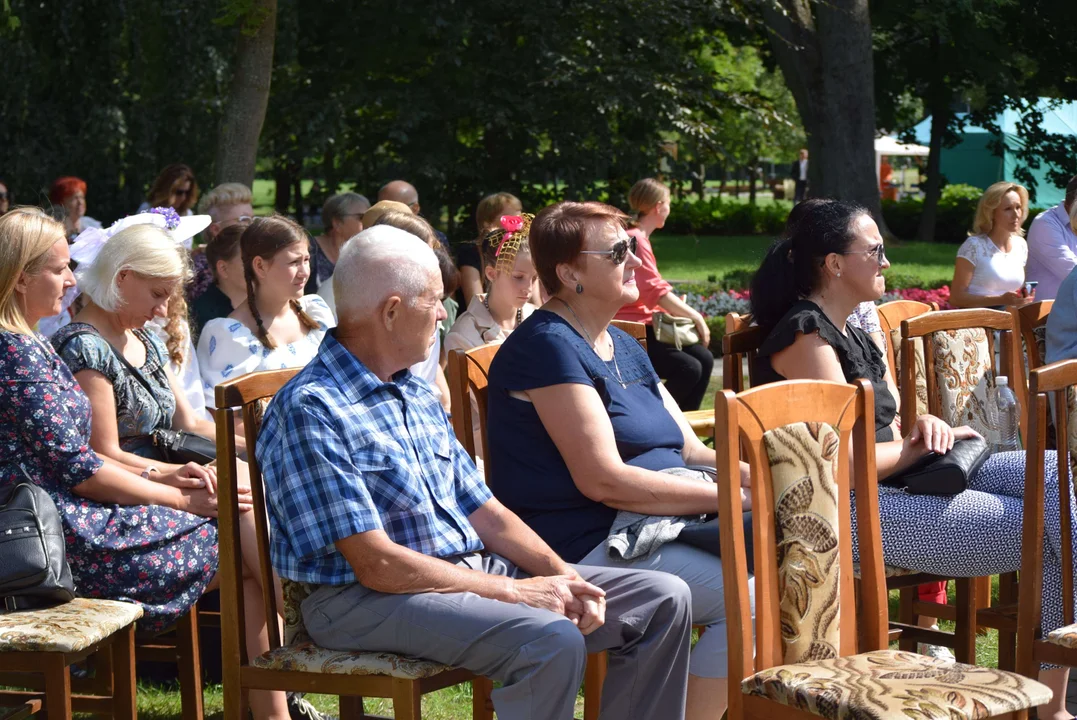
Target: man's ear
x: 214, y: 229
x: 390, y: 311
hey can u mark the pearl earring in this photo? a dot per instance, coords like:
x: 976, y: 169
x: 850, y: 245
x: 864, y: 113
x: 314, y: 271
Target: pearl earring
x: 839, y: 274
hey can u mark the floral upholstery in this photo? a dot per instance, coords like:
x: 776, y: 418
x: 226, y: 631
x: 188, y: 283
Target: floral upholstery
x: 919, y: 373
x: 300, y: 654
x: 803, y: 462
x: 71, y: 627
x: 963, y: 375
x: 308, y: 657
x: 1064, y: 636
x: 894, y: 684
x: 1040, y: 334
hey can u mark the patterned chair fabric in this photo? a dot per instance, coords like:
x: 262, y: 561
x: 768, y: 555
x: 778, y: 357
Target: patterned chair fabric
x: 1040, y: 333
x: 803, y: 463
x: 890, y: 571
x: 66, y: 628
x: 1064, y: 636
x: 918, y: 372
x: 300, y: 654
x: 308, y: 657
x: 963, y: 375
x: 894, y: 684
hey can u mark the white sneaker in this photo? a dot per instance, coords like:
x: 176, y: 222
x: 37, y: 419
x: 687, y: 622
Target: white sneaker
x: 939, y: 652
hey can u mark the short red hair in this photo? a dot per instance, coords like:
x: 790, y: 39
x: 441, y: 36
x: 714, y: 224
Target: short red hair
x: 65, y: 187
x: 558, y: 233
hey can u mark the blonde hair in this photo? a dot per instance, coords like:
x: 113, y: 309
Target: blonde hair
x: 26, y: 236
x: 490, y: 209
x: 222, y: 196
x: 1073, y: 217
x: 984, y: 221
x: 409, y: 222
x: 645, y: 195
x: 143, y: 249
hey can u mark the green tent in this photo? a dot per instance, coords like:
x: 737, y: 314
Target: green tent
x: 973, y: 162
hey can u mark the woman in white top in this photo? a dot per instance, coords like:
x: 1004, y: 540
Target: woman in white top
x: 990, y: 267
x: 510, y: 280
x: 277, y: 326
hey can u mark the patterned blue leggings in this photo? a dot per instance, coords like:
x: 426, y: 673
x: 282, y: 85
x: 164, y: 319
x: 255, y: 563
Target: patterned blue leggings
x: 977, y: 532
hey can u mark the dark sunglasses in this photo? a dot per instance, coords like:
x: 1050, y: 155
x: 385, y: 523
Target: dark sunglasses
x: 3, y: 196
x: 618, y: 253
x: 878, y: 252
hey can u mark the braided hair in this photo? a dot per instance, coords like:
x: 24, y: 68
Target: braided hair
x: 264, y: 238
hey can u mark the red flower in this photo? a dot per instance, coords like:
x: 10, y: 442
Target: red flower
x: 511, y: 223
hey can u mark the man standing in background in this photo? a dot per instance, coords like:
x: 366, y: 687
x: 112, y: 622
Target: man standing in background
x: 799, y: 173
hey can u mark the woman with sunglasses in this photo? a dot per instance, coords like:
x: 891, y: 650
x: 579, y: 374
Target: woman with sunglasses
x: 802, y: 295
x: 580, y: 428
x: 687, y: 371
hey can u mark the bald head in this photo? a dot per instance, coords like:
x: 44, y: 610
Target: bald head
x: 379, y: 262
x: 400, y: 191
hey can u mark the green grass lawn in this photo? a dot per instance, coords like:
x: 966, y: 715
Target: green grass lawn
x: 694, y: 258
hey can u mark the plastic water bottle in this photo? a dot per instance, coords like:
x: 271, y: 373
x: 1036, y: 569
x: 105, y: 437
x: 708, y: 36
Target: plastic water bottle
x: 1004, y: 416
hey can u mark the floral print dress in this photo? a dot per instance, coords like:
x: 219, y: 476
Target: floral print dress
x: 158, y: 557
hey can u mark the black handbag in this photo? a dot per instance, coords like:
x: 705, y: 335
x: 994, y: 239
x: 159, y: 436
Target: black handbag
x: 948, y: 474
x: 180, y: 447
x: 177, y: 447
x: 33, y: 559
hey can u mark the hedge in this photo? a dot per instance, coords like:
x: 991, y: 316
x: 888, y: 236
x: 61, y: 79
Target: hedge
x: 956, y: 210
x: 720, y: 216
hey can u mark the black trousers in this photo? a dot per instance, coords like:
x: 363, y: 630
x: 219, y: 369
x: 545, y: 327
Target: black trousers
x: 801, y: 191
x: 686, y: 372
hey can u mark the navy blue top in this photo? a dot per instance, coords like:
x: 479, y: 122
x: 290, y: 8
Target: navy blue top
x: 528, y: 474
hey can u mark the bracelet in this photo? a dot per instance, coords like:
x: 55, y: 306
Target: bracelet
x: 147, y: 471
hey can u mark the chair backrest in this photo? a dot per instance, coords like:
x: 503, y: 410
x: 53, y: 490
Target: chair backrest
x: 795, y: 436
x: 249, y: 395
x: 959, y: 357
x: 739, y: 344
x: 1030, y: 323
x: 890, y: 316
x: 469, y: 373
x: 1056, y: 382
x: 636, y: 329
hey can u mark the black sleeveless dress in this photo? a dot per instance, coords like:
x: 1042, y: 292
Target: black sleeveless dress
x: 858, y: 354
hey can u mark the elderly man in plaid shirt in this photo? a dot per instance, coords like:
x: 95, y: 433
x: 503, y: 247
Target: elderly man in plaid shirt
x: 374, y: 501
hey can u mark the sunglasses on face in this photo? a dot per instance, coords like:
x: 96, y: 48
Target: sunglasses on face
x: 3, y: 196
x: 618, y: 253
x: 878, y: 252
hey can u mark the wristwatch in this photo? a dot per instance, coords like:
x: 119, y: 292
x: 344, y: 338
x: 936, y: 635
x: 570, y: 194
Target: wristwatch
x: 147, y: 471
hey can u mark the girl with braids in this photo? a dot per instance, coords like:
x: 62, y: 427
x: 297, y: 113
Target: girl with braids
x: 277, y: 326
x: 686, y: 371
x: 510, y: 280
x: 802, y: 295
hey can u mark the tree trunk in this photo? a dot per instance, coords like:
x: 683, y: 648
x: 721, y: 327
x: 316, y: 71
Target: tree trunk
x: 826, y: 60
x: 939, y: 107
x: 248, y: 97
x: 751, y: 180
x: 283, y: 192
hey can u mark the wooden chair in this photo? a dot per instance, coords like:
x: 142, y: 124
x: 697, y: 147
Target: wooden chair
x: 469, y: 373
x: 805, y: 662
x: 299, y: 666
x: 38, y: 648
x: 180, y: 646
x: 1056, y: 381
x: 890, y: 316
x: 739, y: 344
x: 1030, y: 323
x: 959, y: 357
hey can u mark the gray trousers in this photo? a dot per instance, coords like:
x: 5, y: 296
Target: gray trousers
x: 538, y: 656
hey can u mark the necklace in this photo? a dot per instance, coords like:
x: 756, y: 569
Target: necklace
x: 519, y: 311
x: 587, y: 335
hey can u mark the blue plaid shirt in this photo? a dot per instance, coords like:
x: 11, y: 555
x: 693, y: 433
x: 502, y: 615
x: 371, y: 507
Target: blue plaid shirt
x: 343, y: 453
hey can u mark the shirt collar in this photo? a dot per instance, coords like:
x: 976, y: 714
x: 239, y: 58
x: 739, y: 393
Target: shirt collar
x: 355, y: 379
x: 484, y: 321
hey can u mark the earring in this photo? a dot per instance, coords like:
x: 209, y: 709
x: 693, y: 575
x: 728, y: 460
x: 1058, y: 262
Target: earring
x: 839, y: 274
x: 579, y: 289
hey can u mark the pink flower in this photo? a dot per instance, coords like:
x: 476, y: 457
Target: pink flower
x: 511, y: 223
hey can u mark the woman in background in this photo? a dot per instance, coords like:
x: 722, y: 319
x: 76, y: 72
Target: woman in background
x: 69, y: 194
x: 687, y: 371
x: 990, y: 266
x: 175, y: 187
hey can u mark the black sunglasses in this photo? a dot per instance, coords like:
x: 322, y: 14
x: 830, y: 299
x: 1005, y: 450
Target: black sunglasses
x: 618, y: 253
x: 878, y: 252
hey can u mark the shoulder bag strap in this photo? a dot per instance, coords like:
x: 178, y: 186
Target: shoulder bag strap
x: 137, y: 374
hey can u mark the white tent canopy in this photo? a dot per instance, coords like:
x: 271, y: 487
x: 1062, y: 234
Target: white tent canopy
x: 889, y: 146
